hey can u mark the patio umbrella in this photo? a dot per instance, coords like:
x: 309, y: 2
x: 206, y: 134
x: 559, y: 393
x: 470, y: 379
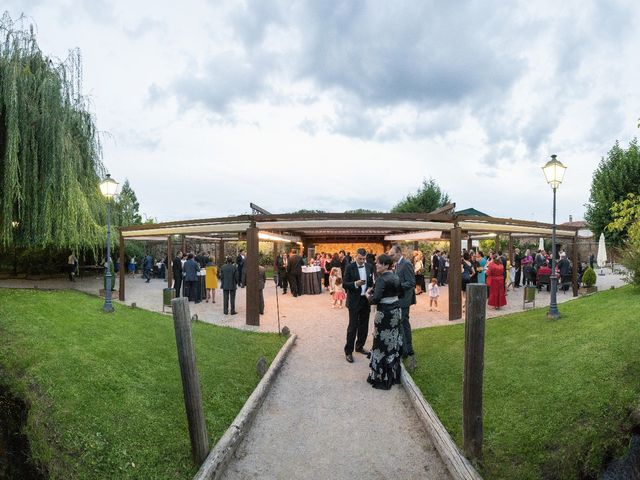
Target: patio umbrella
x: 541, y: 244
x: 601, y: 258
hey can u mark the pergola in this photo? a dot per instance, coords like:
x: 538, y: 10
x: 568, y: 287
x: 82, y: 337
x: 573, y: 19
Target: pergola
x: 307, y: 229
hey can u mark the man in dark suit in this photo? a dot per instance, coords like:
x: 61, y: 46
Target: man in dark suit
x: 229, y: 284
x: 240, y: 264
x: 147, y: 266
x: 191, y: 269
x: 294, y: 273
x: 177, y: 273
x: 281, y: 264
x: 435, y: 264
x: 343, y: 261
x: 442, y: 263
x: 517, y: 263
x: 358, y: 278
x: 405, y: 272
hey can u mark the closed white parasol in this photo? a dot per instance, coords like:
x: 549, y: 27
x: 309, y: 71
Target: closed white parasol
x: 601, y: 258
x: 541, y: 244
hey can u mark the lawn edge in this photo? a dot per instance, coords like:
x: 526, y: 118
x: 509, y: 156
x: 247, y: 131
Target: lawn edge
x: 458, y: 465
x: 216, y: 462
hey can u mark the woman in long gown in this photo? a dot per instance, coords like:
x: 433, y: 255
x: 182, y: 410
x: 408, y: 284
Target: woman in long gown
x: 387, y: 338
x: 495, y: 280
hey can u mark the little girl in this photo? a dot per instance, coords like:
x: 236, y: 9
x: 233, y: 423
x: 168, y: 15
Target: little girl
x: 338, y: 293
x: 434, y: 293
x: 333, y: 275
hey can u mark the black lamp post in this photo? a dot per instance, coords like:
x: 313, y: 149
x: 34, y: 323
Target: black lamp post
x: 554, y: 173
x: 109, y: 188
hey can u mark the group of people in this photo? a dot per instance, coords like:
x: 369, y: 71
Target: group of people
x: 189, y: 268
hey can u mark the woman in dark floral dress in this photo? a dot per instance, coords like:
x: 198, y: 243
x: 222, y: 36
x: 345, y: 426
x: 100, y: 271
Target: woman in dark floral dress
x: 387, y: 339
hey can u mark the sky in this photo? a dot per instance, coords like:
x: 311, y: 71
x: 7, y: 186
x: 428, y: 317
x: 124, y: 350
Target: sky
x: 207, y: 106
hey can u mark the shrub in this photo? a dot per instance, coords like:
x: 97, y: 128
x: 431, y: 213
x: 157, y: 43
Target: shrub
x: 589, y: 277
x: 630, y: 258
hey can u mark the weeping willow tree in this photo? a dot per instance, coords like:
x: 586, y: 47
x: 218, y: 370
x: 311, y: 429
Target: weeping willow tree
x: 50, y: 157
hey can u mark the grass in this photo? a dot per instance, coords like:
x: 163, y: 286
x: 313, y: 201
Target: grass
x: 557, y: 394
x: 104, y: 391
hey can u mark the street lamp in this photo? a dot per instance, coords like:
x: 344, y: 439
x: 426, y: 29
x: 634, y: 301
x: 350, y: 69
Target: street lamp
x: 109, y: 188
x: 554, y: 173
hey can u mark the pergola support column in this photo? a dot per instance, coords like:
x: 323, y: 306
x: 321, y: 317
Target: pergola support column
x: 510, y: 249
x: 469, y: 243
x: 184, y: 244
x: 169, y: 261
x: 123, y: 270
x: 220, y: 254
x: 574, y: 269
x: 251, y: 271
x: 455, y: 275
x: 497, y: 244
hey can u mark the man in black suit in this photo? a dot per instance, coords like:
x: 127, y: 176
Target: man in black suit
x: 281, y: 264
x: 147, y: 266
x: 191, y: 269
x: 517, y: 263
x: 404, y: 270
x: 229, y: 284
x: 240, y: 264
x: 294, y: 273
x: 177, y: 273
x: 435, y: 263
x: 343, y: 261
x: 358, y: 278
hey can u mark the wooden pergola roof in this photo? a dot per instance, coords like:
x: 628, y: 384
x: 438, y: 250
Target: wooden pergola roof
x: 348, y: 225
x: 377, y: 227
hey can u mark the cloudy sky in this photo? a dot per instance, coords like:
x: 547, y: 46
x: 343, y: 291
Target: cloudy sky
x: 207, y: 106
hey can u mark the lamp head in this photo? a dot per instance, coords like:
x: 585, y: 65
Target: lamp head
x: 109, y: 187
x: 554, y: 171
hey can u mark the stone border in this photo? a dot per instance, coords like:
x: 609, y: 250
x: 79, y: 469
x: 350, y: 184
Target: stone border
x: 216, y: 462
x: 459, y: 467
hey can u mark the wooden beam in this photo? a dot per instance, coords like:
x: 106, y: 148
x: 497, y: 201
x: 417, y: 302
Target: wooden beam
x: 251, y: 272
x: 455, y: 275
x: 169, y: 261
x: 123, y: 270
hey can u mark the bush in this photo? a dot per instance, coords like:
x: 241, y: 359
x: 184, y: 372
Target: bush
x: 589, y: 277
x: 630, y: 258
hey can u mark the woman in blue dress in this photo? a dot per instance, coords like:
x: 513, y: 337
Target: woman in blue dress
x: 483, y: 263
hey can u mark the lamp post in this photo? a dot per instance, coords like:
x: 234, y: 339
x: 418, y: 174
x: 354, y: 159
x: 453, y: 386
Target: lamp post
x: 554, y: 173
x: 109, y: 188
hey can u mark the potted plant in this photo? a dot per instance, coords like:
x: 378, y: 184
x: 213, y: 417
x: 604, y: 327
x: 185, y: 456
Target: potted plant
x: 589, y: 281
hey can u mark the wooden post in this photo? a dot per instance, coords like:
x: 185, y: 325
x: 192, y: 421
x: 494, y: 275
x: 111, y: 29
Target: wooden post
x: 169, y: 261
x: 251, y: 269
x: 473, y: 370
x: 184, y: 244
x: 511, y: 250
x: 190, y: 380
x: 574, y: 269
x: 469, y: 244
x: 497, y: 244
x: 455, y: 275
x: 123, y: 270
x: 220, y: 254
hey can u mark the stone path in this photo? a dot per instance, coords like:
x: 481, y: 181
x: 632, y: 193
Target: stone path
x: 321, y: 419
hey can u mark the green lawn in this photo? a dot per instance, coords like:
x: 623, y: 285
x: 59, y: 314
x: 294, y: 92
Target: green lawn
x: 557, y: 395
x: 104, y: 391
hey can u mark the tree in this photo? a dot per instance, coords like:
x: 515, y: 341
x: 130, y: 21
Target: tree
x: 126, y: 207
x: 428, y: 197
x: 50, y: 160
x: 616, y: 177
x: 362, y: 210
x: 626, y: 218
x: 305, y: 211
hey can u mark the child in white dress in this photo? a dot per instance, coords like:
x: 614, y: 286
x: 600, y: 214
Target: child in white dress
x: 434, y: 293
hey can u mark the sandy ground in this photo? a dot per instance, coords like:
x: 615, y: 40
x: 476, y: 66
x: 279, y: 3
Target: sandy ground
x: 321, y: 419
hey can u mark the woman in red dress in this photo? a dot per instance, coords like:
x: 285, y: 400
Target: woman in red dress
x: 495, y: 280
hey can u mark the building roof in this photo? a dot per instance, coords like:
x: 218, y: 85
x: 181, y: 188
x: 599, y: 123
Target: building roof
x: 472, y: 212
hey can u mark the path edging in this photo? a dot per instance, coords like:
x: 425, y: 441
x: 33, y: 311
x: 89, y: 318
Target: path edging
x: 458, y: 465
x: 219, y: 457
